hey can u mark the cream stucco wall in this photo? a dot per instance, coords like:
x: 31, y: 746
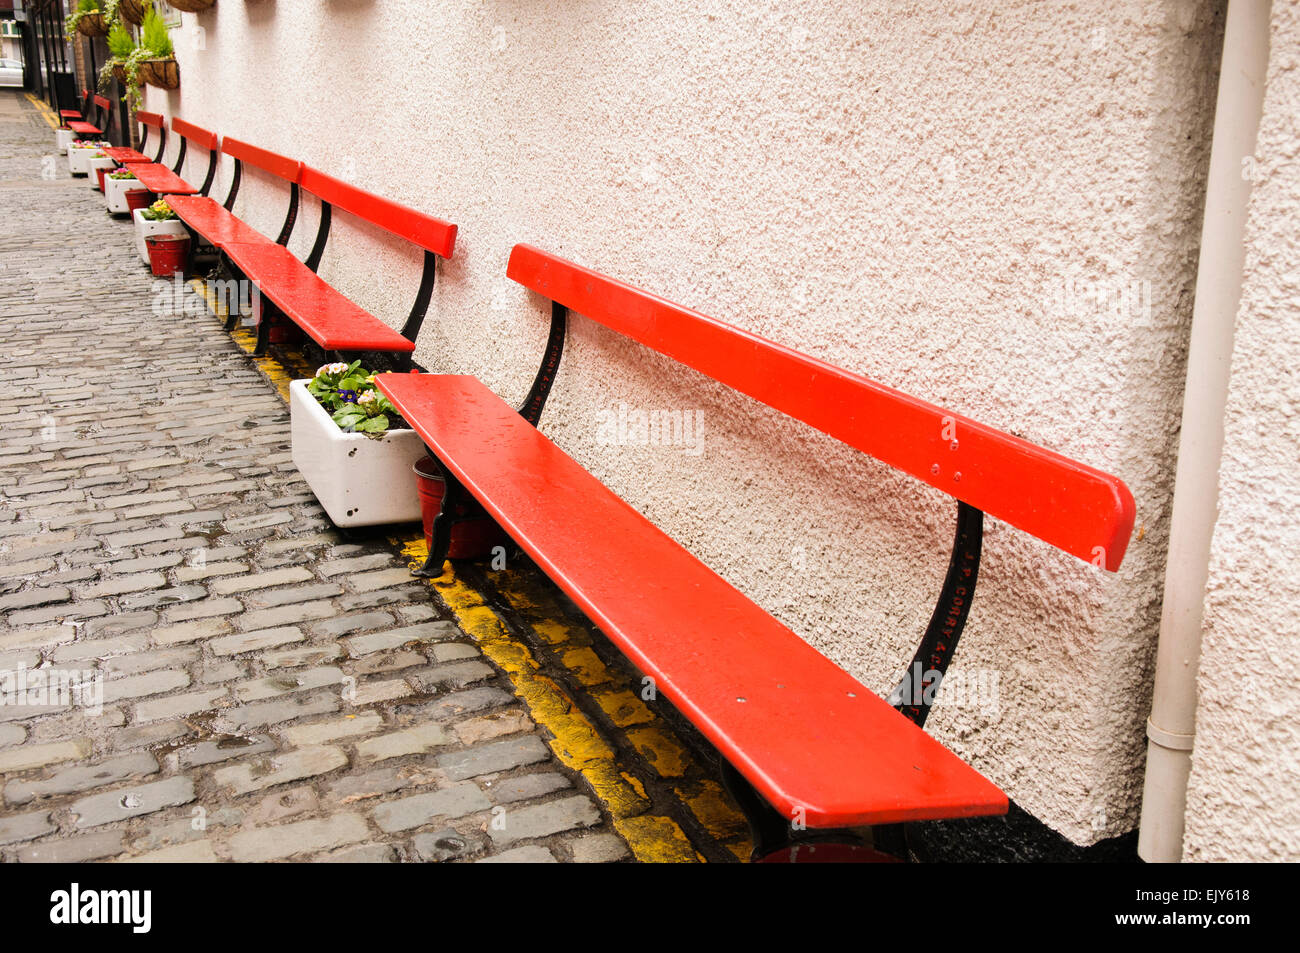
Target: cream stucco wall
x: 921, y: 194
x: 1242, y: 799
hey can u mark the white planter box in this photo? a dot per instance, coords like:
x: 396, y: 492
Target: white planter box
x: 101, y: 163
x: 79, y: 157
x: 144, y: 228
x: 359, y: 480
x: 63, y: 138
x: 115, y: 193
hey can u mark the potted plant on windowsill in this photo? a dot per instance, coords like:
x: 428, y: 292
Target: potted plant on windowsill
x: 88, y: 19
x: 352, y: 448
x: 157, y: 219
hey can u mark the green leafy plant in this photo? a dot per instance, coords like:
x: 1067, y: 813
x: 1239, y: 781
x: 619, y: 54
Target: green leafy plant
x: 155, y: 44
x: 159, y: 211
x: 349, y: 393
x: 120, y: 45
x: 154, y: 36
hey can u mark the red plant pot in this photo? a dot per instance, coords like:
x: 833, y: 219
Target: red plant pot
x: 138, y: 198
x: 472, y: 539
x: 283, y: 331
x: 167, y: 254
x: 99, y: 174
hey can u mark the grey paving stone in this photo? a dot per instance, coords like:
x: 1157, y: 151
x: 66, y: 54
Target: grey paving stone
x: 542, y: 820
x: 280, y: 769
x: 451, y: 802
x: 21, y: 827
x: 493, y: 757
x: 526, y: 786
x: 301, y: 837
x: 74, y: 850
x: 73, y: 780
x: 132, y: 802
x: 529, y: 854
x: 395, y: 638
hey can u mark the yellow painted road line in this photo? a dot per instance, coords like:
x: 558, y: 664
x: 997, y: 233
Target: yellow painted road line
x: 48, y: 114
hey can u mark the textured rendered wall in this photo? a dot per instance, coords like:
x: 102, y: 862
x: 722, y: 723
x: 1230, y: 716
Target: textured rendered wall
x: 1241, y: 802
x: 995, y: 208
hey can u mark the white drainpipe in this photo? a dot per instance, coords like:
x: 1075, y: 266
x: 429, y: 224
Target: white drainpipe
x: 1172, y: 724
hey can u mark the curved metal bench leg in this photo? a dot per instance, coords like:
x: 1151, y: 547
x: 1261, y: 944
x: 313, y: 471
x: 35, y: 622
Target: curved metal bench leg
x: 453, y: 496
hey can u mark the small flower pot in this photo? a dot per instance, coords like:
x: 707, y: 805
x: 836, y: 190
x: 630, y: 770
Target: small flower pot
x: 93, y: 24
x: 137, y: 198
x: 164, y: 74
x: 97, y: 169
x: 63, y: 138
x: 167, y: 254
x: 472, y: 539
x: 359, y: 480
x: 115, y: 193
x: 79, y: 159
x: 144, y: 228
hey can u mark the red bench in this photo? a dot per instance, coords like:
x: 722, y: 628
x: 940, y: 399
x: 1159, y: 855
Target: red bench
x: 159, y: 179
x: 336, y: 323
x: 103, y: 116
x: 125, y: 154
x: 216, y: 224
x: 818, y: 746
x: 69, y: 115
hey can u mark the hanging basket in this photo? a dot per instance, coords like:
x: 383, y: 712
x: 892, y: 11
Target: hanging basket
x: 192, y: 6
x: 165, y: 74
x: 132, y: 11
x: 119, y: 73
x: 92, y: 24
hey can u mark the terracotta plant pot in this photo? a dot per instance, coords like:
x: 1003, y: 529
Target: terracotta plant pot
x: 132, y: 11
x: 192, y: 6
x: 93, y: 24
x: 165, y: 74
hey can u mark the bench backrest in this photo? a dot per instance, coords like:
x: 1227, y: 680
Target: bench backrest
x: 288, y: 169
x: 200, y: 137
x: 431, y: 234
x: 1081, y: 510
x: 154, y: 121
x: 281, y: 166
x: 102, y: 102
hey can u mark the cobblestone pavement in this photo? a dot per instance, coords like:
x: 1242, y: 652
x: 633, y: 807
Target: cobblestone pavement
x: 270, y: 690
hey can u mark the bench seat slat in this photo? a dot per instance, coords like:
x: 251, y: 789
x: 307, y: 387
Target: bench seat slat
x: 211, y: 220
x: 85, y: 128
x: 162, y: 180
x: 125, y: 154
x: 807, y: 735
x: 331, y: 319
